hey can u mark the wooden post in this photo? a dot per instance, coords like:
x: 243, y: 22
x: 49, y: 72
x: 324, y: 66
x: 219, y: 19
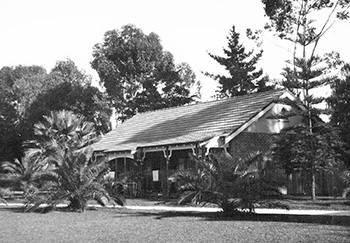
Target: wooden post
x: 143, y: 184
x: 116, y: 168
x: 199, y: 156
x: 166, y: 172
x: 125, y: 165
x: 167, y: 155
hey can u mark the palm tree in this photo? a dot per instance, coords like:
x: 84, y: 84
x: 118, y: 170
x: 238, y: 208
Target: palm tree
x: 69, y: 170
x: 233, y: 185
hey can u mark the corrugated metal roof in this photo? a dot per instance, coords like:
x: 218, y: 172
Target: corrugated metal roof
x: 186, y: 124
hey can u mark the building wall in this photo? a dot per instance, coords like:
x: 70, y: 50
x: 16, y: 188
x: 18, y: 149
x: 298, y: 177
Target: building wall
x: 271, y: 122
x: 258, y: 137
x: 157, y: 173
x: 248, y: 142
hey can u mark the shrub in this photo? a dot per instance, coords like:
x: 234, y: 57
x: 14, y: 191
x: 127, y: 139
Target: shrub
x: 62, y: 167
x: 233, y: 185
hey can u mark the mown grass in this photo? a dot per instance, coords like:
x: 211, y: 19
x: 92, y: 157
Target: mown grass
x: 122, y: 225
x: 319, y: 204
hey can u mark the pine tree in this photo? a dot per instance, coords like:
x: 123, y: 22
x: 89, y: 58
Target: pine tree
x: 294, y: 21
x: 244, y: 77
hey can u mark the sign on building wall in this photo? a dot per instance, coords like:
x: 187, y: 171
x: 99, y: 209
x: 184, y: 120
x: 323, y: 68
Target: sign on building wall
x: 155, y: 175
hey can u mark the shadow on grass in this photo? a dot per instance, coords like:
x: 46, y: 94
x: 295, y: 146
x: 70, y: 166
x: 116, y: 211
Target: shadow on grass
x: 44, y: 210
x: 328, y: 204
x: 340, y: 220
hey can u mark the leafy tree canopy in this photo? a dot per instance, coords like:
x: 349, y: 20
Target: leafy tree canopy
x: 18, y: 88
x: 67, y: 71
x: 244, y: 76
x: 73, y: 92
x: 288, y: 15
x: 87, y: 101
x: 304, y: 23
x: 29, y: 92
x: 339, y: 102
x: 296, y: 149
x: 10, y: 141
x: 138, y: 74
x: 24, y: 83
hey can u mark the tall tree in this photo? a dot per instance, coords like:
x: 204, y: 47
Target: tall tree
x: 29, y: 92
x: 71, y: 91
x: 25, y: 82
x: 137, y: 74
x: 14, y: 100
x: 244, y: 77
x: 339, y: 103
x: 10, y: 141
x: 87, y: 101
x: 67, y: 71
x: 303, y: 23
x: 299, y: 150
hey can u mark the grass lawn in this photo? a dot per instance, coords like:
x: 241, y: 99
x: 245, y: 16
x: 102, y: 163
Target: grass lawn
x: 318, y: 204
x: 123, y: 225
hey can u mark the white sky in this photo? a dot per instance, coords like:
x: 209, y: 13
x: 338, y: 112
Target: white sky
x: 41, y: 32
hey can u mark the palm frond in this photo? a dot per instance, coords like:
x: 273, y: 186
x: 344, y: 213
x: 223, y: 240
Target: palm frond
x: 118, y: 199
x: 67, y: 170
x: 12, y: 167
x: 232, y: 184
x: 272, y: 204
x: 46, y: 176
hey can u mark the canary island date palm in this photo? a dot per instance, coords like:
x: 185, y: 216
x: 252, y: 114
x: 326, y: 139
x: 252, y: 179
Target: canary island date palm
x: 69, y: 171
x: 233, y: 185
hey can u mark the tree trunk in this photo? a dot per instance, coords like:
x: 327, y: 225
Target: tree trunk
x: 313, y: 185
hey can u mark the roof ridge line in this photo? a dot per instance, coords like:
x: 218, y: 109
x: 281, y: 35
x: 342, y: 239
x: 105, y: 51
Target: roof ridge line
x: 209, y: 101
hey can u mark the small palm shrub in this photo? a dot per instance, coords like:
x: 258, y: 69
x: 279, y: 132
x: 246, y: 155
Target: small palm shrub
x: 78, y: 179
x: 18, y: 173
x: 67, y: 170
x: 115, y: 188
x: 233, y: 185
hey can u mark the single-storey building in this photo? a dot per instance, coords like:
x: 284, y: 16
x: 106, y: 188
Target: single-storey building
x: 149, y: 147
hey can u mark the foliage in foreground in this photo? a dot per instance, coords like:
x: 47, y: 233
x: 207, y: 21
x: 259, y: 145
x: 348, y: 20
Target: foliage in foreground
x: 18, y: 174
x: 77, y: 179
x: 233, y: 185
x: 28, y: 93
x: 63, y: 168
